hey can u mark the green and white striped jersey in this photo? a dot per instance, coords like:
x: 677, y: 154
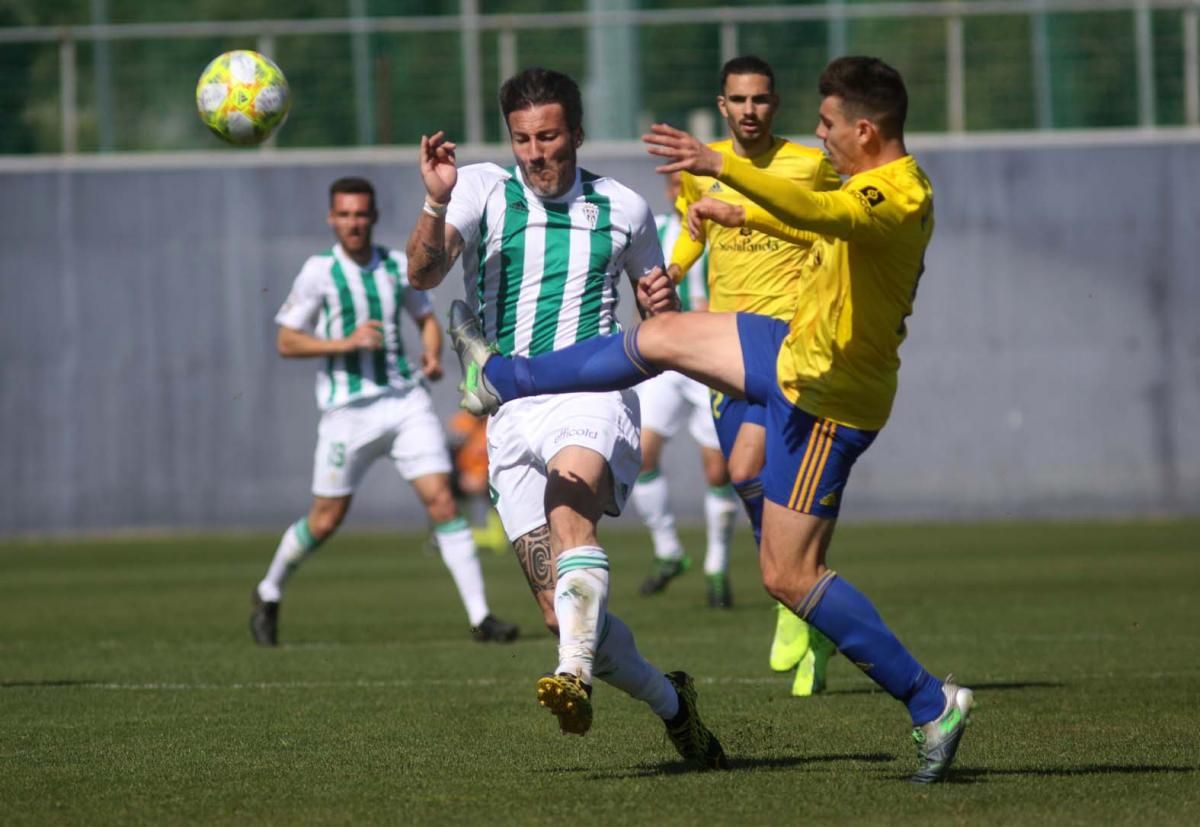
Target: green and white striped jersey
x: 693, y: 287
x: 543, y: 273
x: 332, y: 296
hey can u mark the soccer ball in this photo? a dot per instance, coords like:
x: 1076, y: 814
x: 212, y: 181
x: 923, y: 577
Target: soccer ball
x: 242, y: 97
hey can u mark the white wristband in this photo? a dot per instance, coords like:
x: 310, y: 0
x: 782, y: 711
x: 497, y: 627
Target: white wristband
x: 434, y: 209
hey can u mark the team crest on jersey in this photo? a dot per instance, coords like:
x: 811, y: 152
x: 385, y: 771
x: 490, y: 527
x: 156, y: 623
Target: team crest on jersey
x: 871, y: 196
x: 745, y: 231
x: 518, y: 206
x: 592, y: 213
x: 716, y: 187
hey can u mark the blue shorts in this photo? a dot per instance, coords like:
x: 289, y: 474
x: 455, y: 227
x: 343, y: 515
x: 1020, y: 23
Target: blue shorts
x: 808, y: 457
x: 729, y: 414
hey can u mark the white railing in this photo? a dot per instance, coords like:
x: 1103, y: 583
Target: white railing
x: 470, y: 24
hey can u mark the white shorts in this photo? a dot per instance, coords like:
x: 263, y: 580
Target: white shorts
x: 670, y: 399
x: 401, y: 424
x: 525, y: 435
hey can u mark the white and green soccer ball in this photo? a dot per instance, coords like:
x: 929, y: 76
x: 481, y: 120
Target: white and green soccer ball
x: 242, y: 97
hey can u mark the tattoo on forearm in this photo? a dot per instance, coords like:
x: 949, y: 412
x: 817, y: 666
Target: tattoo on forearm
x: 536, y: 559
x: 435, y: 261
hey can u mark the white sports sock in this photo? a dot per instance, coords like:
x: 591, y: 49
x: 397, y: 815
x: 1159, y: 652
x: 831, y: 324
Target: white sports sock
x: 296, y: 544
x: 458, y: 553
x: 651, y: 501
x: 580, y: 600
x: 720, y: 511
x: 620, y: 664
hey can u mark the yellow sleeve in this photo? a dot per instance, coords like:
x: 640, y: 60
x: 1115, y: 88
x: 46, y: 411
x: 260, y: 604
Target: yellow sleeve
x: 843, y: 214
x: 759, y: 219
x: 826, y: 178
x: 686, y: 252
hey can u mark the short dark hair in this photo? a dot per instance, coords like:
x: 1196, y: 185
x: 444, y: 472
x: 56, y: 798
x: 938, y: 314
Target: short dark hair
x: 537, y: 86
x: 353, y: 185
x: 868, y: 88
x: 747, y: 65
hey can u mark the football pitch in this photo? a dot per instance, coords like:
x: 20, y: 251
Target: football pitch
x: 130, y: 691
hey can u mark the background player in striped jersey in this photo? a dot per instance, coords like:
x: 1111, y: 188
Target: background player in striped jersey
x: 345, y: 306
x: 669, y: 401
x: 544, y: 244
x: 754, y: 272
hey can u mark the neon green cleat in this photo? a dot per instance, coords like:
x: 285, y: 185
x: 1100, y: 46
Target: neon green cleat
x: 810, y: 671
x: 791, y: 640
x: 570, y: 699
x: 937, y: 741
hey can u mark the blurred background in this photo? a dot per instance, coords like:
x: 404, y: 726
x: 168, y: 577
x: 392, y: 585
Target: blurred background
x: 1053, y: 364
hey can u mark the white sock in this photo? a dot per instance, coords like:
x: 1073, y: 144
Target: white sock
x: 720, y: 511
x: 458, y: 553
x: 296, y: 544
x: 580, y: 600
x: 651, y: 501
x: 620, y: 664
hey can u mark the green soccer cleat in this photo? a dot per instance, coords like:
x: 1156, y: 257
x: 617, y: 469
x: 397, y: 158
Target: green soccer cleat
x: 691, y: 738
x: 570, y: 699
x: 937, y: 741
x: 720, y: 592
x: 478, y: 395
x: 664, y: 572
x: 810, y: 671
x: 791, y: 640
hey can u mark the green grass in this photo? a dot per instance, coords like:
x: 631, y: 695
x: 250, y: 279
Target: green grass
x: 130, y: 692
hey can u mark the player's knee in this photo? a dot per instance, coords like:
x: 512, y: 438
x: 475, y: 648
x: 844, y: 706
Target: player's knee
x: 322, y: 523
x: 442, y: 508
x: 743, y: 472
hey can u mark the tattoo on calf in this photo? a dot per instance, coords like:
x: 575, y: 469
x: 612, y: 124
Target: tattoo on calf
x: 536, y: 559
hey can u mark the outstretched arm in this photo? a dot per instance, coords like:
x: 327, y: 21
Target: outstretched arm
x: 826, y: 213
x: 433, y: 247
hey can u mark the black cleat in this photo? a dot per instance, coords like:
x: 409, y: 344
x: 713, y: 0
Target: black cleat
x: 720, y: 592
x: 690, y: 737
x: 494, y: 630
x: 664, y: 572
x: 264, y: 620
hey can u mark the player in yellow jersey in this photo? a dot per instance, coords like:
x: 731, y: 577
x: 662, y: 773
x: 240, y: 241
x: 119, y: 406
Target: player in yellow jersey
x: 828, y: 377
x: 755, y: 272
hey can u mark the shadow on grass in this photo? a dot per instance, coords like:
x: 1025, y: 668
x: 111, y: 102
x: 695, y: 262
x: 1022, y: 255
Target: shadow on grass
x: 993, y: 686
x: 967, y: 775
x: 44, y: 684
x: 735, y: 764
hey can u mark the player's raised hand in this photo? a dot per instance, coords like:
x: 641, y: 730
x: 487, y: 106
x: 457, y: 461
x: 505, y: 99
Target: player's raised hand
x: 682, y: 151
x: 710, y: 209
x: 438, y: 169
x: 656, y: 293
x: 367, y: 336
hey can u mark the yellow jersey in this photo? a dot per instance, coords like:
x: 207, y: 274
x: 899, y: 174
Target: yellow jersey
x: 749, y: 270
x: 841, y: 355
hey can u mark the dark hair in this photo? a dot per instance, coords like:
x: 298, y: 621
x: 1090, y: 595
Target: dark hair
x: 868, y: 88
x: 352, y: 185
x: 747, y: 65
x: 537, y: 86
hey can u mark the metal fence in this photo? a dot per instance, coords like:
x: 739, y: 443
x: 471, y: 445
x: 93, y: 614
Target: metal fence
x: 983, y: 65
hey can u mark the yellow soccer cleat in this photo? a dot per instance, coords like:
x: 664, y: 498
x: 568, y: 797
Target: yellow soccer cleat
x: 569, y: 699
x: 810, y: 671
x: 791, y: 640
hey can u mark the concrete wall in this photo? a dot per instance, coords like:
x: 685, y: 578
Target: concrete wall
x: 1053, y: 364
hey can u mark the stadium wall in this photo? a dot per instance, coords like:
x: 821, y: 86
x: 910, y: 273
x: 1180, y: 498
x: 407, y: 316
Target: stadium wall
x: 1052, y: 367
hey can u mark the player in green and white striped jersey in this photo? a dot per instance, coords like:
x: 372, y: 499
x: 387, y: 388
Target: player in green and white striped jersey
x: 345, y: 308
x: 669, y: 401
x: 543, y: 245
